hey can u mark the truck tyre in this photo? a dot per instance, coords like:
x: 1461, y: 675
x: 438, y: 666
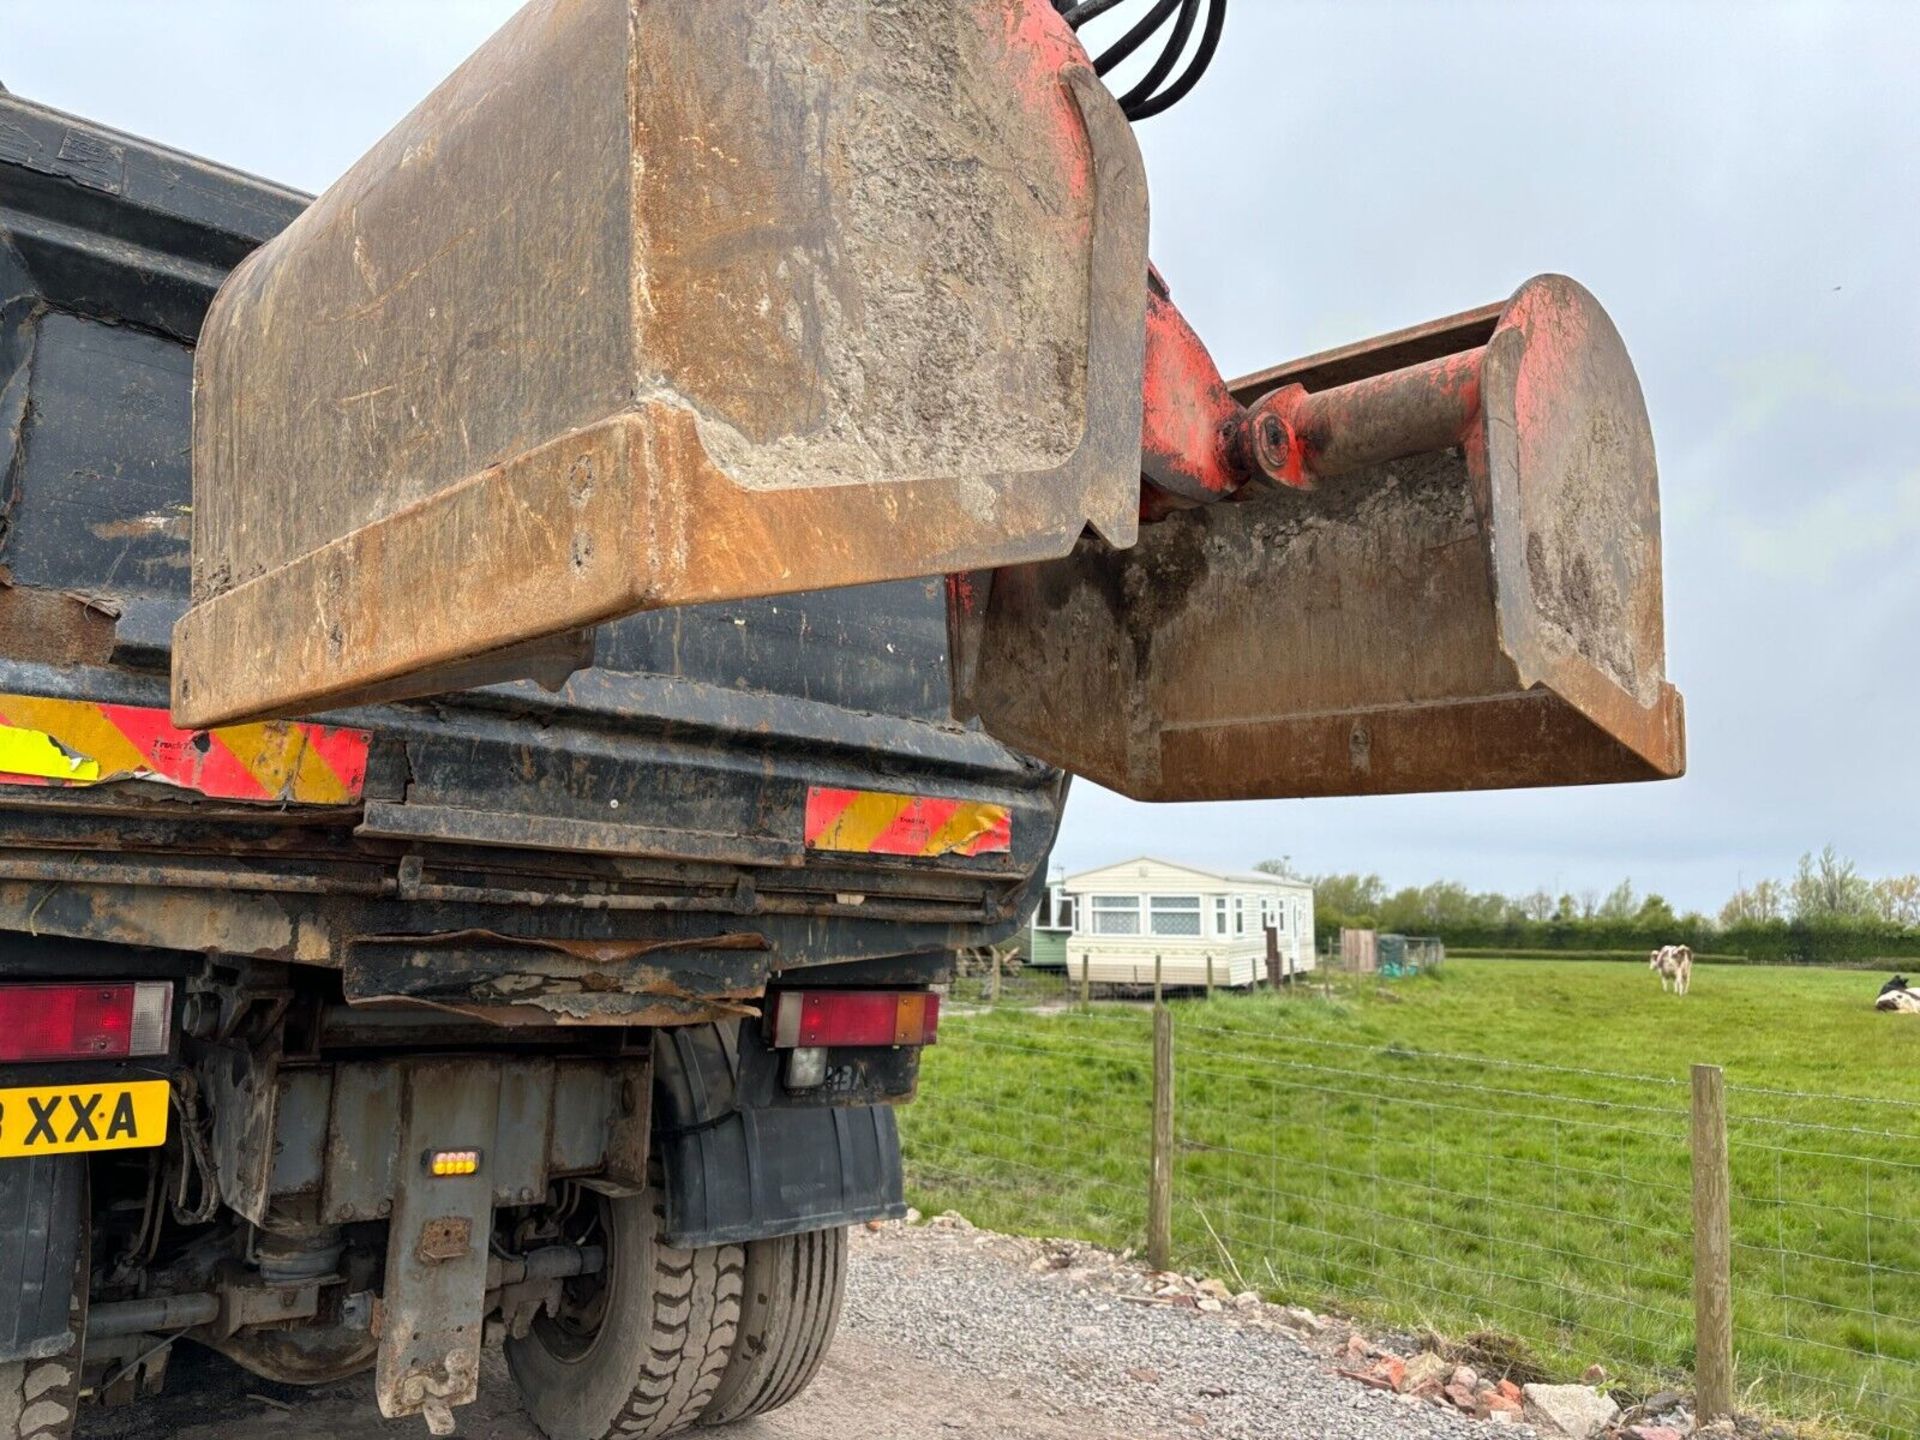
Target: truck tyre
x: 39, y: 1398
x: 641, y: 1347
x: 787, y: 1319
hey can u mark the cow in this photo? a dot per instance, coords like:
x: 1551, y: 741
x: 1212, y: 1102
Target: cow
x: 1675, y: 966
x: 1898, y: 994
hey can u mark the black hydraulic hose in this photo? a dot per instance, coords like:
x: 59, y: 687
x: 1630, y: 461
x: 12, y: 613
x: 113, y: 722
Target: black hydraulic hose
x: 1203, y: 57
x: 1169, y: 57
x: 1134, y: 38
x: 1078, y: 15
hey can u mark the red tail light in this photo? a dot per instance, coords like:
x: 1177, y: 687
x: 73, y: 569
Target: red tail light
x: 854, y: 1018
x: 84, y: 1022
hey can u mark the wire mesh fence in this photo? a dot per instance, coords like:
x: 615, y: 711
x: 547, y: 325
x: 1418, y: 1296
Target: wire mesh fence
x: 1540, y: 1214
x: 978, y: 984
x: 1826, y: 1263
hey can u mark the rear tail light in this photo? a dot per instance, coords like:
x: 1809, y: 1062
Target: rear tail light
x: 808, y: 1019
x: 85, y: 1022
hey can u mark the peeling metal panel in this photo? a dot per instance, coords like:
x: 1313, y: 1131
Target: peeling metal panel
x: 633, y: 982
x: 54, y: 626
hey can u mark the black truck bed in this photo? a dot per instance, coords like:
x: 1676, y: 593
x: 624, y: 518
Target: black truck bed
x: 502, y: 838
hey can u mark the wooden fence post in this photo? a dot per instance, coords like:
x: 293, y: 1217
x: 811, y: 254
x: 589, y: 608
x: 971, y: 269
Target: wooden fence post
x: 1086, y: 981
x: 1160, y: 1181
x: 1156, y: 982
x: 993, y: 995
x: 1209, y: 975
x: 1712, y: 1248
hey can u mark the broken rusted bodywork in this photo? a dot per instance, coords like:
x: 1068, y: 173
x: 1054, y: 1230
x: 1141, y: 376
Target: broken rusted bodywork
x: 1454, y: 584
x: 516, y: 980
x: 761, y: 297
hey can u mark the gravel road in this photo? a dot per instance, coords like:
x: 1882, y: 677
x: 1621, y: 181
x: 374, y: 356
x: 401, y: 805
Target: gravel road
x: 948, y: 1334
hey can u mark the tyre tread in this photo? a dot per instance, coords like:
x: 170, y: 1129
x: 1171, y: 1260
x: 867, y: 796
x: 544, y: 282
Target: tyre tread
x: 695, y: 1321
x: 795, y: 1285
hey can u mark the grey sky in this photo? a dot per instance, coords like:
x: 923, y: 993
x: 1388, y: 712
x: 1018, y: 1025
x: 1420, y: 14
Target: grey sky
x: 1736, y: 183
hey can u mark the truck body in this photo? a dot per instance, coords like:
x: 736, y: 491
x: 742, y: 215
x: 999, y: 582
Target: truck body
x: 513, y: 885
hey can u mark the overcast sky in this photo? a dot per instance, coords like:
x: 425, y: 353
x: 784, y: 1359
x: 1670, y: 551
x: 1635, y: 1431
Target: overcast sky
x: 1739, y: 184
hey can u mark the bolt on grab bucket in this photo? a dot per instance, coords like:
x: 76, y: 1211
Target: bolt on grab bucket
x: 658, y: 303
x: 1463, y: 593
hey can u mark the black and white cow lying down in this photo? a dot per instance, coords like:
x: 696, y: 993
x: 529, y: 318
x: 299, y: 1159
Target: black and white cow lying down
x: 1898, y: 994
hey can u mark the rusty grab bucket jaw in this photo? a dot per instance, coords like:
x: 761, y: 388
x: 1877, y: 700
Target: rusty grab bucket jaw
x: 1451, y: 605
x: 661, y: 303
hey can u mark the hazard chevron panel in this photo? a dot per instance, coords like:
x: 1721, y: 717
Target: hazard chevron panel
x: 67, y: 743
x: 880, y: 822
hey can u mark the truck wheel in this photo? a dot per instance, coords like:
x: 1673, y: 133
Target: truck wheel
x: 787, y: 1319
x: 39, y: 1398
x: 637, y: 1350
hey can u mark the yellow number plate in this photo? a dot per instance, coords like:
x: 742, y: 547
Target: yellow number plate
x: 62, y: 1119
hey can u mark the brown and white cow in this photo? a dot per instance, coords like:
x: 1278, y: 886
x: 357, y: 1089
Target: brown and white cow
x: 1675, y: 964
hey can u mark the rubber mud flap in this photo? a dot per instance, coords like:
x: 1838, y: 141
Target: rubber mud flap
x: 40, y: 1236
x: 758, y: 1174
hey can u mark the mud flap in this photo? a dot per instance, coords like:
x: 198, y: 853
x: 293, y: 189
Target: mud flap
x: 41, y: 1229
x: 758, y: 1174
x: 436, y: 1285
x: 741, y: 1162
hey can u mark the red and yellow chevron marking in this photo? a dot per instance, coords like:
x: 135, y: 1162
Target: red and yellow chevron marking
x: 877, y: 822
x: 84, y: 742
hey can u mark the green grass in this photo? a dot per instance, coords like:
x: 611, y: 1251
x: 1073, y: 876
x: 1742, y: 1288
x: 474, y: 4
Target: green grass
x: 1503, y: 1147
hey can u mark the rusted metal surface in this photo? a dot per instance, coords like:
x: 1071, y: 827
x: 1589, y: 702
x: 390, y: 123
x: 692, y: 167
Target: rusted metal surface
x: 53, y: 626
x: 1430, y: 405
x: 458, y: 825
x: 1469, y: 596
x: 555, y: 1118
x: 1394, y: 351
x: 434, y: 1299
x: 882, y: 318
x: 621, y: 982
x: 311, y: 1355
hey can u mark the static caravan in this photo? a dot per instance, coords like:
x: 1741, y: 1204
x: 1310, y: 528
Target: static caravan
x: 1124, y: 915
x: 1047, y: 931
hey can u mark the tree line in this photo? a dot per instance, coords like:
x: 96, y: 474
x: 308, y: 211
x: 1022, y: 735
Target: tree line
x: 1826, y: 912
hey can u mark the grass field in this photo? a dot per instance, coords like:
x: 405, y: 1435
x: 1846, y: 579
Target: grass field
x: 1502, y: 1148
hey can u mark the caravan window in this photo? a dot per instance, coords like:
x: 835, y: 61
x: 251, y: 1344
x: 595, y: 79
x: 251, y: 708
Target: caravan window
x: 1175, y: 914
x: 1239, y: 915
x: 1116, y: 914
x: 1220, y: 915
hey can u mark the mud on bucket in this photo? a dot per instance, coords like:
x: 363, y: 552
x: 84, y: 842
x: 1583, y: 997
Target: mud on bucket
x: 1467, y: 595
